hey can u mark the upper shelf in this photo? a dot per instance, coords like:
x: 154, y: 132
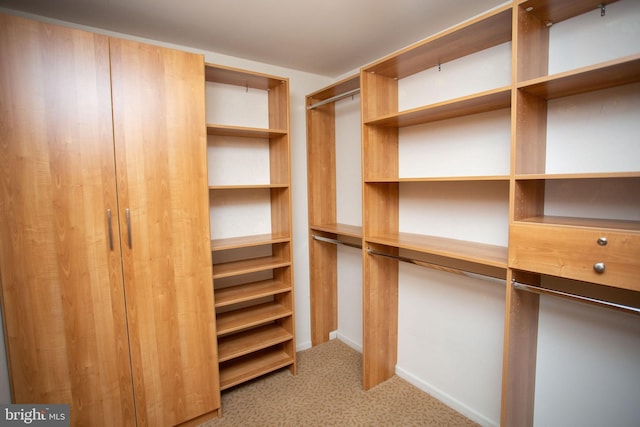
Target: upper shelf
x: 346, y: 85
x: 339, y: 229
x: 237, y: 77
x: 488, y: 30
x: 242, y: 131
x: 554, y: 11
x: 483, y: 102
x: 604, y: 75
x: 247, y: 241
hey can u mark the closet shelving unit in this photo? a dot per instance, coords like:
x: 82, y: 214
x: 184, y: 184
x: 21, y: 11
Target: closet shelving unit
x: 384, y: 244
x: 548, y: 253
x: 324, y: 230
x: 253, y: 274
x: 589, y: 256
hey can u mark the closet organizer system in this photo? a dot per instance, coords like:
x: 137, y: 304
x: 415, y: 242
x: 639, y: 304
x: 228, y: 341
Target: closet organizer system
x: 105, y: 257
x: 112, y: 250
x: 250, y: 181
x: 577, y: 256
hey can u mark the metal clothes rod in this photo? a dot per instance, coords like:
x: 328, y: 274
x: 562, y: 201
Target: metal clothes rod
x: 437, y: 266
x: 334, y: 98
x: 335, y: 241
x: 544, y: 291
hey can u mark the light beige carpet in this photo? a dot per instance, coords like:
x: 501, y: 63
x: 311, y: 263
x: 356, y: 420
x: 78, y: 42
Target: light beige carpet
x: 328, y: 392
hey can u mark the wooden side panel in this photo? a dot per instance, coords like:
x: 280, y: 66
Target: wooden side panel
x: 520, y: 351
x: 380, y: 313
x: 323, y: 257
x: 323, y: 260
x: 62, y: 290
x: 532, y: 45
x: 380, y: 216
x: 321, y: 164
x: 160, y: 139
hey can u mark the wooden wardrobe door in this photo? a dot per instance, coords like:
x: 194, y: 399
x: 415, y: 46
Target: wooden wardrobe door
x: 62, y: 288
x: 160, y: 137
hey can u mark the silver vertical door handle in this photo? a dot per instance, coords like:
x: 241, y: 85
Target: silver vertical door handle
x: 110, y: 229
x: 128, y: 214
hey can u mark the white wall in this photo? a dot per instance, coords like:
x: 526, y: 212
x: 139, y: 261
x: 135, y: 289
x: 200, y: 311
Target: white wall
x: 349, y: 211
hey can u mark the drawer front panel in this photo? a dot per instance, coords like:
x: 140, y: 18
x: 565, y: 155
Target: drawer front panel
x: 598, y: 256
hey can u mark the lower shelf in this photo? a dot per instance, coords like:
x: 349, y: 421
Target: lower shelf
x: 236, y: 345
x: 243, y: 318
x: 252, y: 366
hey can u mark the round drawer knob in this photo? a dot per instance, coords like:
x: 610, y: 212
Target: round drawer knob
x: 602, y: 241
x: 599, y: 267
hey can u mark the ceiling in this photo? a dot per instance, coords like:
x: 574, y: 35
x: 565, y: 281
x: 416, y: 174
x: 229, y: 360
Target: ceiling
x: 326, y: 37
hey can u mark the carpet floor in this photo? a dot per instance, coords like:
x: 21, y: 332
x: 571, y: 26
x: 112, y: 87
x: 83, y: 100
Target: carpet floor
x: 327, y: 391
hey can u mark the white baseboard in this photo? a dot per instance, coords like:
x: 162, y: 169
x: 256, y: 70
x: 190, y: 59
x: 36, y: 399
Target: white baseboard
x: 303, y: 346
x: 348, y: 341
x: 446, y: 399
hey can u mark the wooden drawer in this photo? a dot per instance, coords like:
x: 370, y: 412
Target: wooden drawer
x: 574, y: 253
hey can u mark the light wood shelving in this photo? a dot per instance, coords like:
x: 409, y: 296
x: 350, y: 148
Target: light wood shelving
x: 546, y: 249
x: 537, y: 239
x: 321, y: 172
x: 382, y: 181
x: 254, y: 312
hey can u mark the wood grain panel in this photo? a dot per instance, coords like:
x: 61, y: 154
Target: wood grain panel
x: 63, y: 300
x: 160, y: 139
x: 520, y: 352
x: 572, y: 252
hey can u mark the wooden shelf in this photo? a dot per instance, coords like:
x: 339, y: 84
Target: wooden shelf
x: 479, y: 253
x: 339, y: 229
x: 554, y: 11
x: 248, y: 241
x: 249, y: 292
x: 252, y: 366
x: 237, y: 77
x: 496, y: 99
x: 586, y: 79
x: 620, y: 225
x: 248, y: 187
x: 241, y: 131
x: 246, y: 324
x: 242, y: 343
x: 343, y: 86
x: 247, y: 317
x: 483, y: 32
x: 577, y: 176
x: 438, y: 179
x: 246, y: 266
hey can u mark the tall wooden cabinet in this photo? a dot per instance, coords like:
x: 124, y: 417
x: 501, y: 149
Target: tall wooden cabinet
x: 250, y: 208
x: 104, y: 257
